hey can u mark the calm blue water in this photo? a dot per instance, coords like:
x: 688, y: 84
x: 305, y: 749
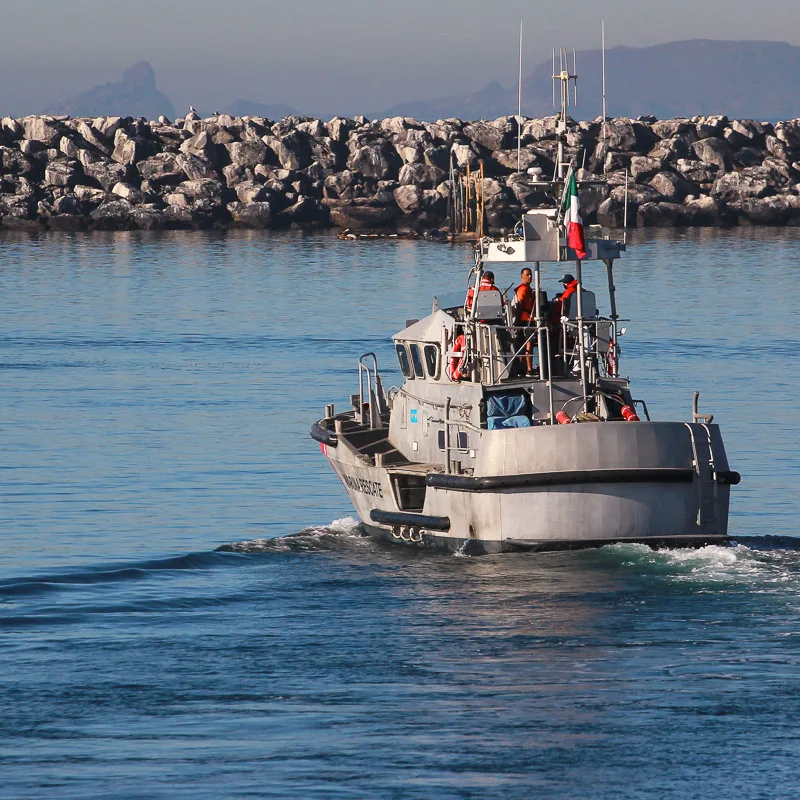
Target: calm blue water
x: 155, y: 398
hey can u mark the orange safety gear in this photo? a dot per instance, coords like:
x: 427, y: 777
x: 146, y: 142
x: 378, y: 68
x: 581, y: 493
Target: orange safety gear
x: 525, y: 302
x: 486, y: 286
x: 458, y: 360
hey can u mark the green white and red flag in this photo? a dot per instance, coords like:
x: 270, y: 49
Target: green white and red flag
x: 572, y: 217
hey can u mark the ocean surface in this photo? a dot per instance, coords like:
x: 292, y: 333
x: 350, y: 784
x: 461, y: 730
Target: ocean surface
x: 189, y: 610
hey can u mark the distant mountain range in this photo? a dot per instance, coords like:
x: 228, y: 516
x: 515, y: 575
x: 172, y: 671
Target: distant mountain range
x: 740, y: 79
x: 746, y: 79
x: 135, y: 95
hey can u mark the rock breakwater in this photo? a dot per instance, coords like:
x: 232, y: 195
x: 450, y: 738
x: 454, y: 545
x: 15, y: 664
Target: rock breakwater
x: 113, y: 173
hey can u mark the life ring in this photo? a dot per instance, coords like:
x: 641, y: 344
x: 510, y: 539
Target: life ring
x: 458, y: 362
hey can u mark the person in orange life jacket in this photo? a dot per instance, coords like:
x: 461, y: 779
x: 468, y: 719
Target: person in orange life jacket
x: 524, y: 303
x: 559, y: 308
x: 487, y: 285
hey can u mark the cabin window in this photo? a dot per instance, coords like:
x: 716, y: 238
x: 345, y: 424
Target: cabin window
x: 416, y: 360
x: 432, y: 360
x: 461, y: 439
x: 402, y: 357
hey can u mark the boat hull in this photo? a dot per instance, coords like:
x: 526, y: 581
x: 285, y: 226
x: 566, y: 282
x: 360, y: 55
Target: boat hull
x: 557, y: 487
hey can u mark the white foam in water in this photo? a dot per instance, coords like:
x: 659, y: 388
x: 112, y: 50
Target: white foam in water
x: 346, y: 527
x: 713, y: 563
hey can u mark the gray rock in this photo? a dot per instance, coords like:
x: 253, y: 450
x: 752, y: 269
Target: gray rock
x: 748, y: 183
x: 539, y: 129
x: 748, y: 157
x: 67, y: 204
x: 63, y: 172
x: 667, y: 151
x: 113, y: 215
x: 161, y: 169
x: 127, y: 151
x: 638, y: 194
x: 710, y: 127
x: 129, y: 192
x: 713, y: 151
x: 492, y: 137
x: 421, y: 175
x: 379, y: 161
x: 669, y: 128
x: 789, y: 133
x: 252, y: 192
x: 41, y: 129
x: 247, y: 154
x: 778, y: 149
x: 66, y: 222
x: 195, y: 167
x: 200, y: 145
x: 287, y: 151
x: 660, y: 215
x: 408, y: 198
x: 507, y: 159
x: 339, y: 128
x: 203, y: 189
x: 88, y: 194
x: 673, y: 187
x: 744, y: 132
x: 643, y: 168
x: 251, y: 215
x: 465, y: 154
x: 13, y: 162
x: 696, y: 171
x: 620, y: 135
x: 106, y: 173
x: 11, y: 129
x: 304, y: 211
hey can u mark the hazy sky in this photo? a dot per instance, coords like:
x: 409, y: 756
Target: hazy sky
x: 333, y: 56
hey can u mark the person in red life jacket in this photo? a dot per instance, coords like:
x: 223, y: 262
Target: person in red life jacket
x: 523, y: 312
x: 570, y: 287
x: 560, y: 308
x: 487, y: 285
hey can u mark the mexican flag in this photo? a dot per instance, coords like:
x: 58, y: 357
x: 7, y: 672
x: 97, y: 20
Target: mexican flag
x: 572, y: 217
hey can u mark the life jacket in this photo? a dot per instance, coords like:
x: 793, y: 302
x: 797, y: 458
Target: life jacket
x: 458, y: 360
x: 486, y: 286
x: 525, y: 302
x: 567, y: 293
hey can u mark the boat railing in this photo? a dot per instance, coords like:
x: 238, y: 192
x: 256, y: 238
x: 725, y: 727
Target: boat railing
x: 371, y: 397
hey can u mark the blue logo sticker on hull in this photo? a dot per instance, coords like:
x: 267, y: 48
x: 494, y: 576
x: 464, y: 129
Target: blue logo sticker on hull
x: 413, y: 414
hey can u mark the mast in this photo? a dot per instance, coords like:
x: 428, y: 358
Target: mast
x: 519, y: 105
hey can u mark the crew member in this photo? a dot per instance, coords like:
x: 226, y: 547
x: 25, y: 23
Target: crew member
x: 487, y: 285
x: 570, y: 287
x: 523, y: 308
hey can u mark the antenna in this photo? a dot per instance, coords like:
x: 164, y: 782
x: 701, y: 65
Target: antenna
x: 575, y: 73
x: 564, y: 76
x: 603, y: 51
x: 519, y: 106
x: 554, y: 76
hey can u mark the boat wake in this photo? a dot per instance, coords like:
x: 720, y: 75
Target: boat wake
x: 764, y: 561
x: 346, y: 530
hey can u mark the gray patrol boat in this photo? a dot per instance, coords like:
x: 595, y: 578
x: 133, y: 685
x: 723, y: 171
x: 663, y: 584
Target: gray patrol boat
x: 524, y: 436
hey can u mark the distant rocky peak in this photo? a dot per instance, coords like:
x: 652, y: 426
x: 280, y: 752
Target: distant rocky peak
x: 141, y: 74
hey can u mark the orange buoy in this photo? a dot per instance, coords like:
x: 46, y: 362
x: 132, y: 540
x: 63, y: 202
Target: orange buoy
x: 629, y: 414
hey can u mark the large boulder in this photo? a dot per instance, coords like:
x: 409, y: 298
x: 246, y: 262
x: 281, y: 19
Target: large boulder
x: 408, y: 198
x: 492, y: 136
x: 789, y: 133
x: 247, y: 154
x: 749, y: 183
x: 203, y: 189
x: 713, y: 151
x: 420, y: 175
x: 378, y: 160
x: 196, y: 167
x: 673, y: 187
x: 251, y: 215
x: 41, y: 129
x: 13, y: 162
x: 62, y: 172
x: 710, y: 127
x: 619, y: 135
x: 660, y: 215
x: 289, y: 150
x: 161, y: 169
x: 668, y: 128
x: 643, y: 168
x: 106, y: 173
x: 744, y: 132
x: 113, y: 215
